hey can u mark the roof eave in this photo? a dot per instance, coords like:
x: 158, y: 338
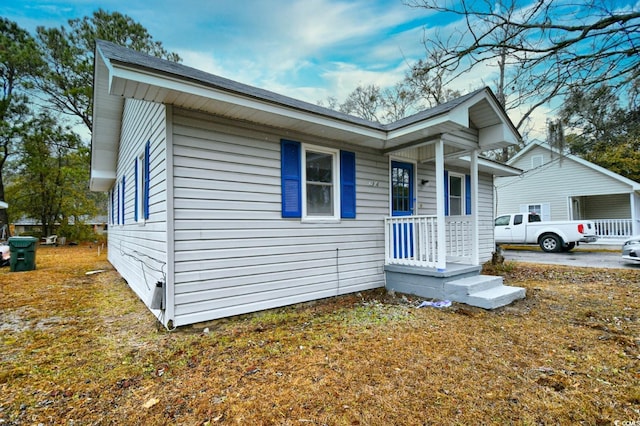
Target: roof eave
x: 107, y: 120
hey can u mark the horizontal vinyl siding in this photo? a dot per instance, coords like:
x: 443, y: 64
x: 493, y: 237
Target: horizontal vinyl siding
x: 558, y: 179
x: 486, y: 243
x: 615, y: 206
x: 233, y: 251
x: 139, y: 250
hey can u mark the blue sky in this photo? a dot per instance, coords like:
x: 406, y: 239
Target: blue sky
x: 306, y: 49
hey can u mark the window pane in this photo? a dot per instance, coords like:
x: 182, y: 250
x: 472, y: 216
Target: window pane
x: 535, y: 208
x: 319, y: 200
x: 319, y: 167
x: 455, y: 186
x: 455, y: 206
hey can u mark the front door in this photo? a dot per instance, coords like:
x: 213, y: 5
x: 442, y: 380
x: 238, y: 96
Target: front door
x: 401, y: 189
x: 402, y: 201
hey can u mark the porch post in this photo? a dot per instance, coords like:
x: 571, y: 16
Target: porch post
x: 441, y: 262
x: 475, y: 235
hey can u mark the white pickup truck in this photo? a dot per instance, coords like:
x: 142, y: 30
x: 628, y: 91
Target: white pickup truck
x: 554, y: 236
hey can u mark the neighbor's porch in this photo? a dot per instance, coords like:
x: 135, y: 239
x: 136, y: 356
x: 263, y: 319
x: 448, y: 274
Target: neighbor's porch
x: 616, y: 216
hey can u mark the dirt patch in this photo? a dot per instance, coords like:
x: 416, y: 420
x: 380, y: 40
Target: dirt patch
x: 78, y: 349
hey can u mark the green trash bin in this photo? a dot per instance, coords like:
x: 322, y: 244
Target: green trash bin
x: 23, y: 253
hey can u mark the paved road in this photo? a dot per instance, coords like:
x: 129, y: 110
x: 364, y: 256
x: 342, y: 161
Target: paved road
x: 577, y: 257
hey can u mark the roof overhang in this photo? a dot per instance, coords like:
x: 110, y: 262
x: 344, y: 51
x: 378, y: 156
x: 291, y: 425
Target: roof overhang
x: 486, y: 165
x: 107, y: 120
x: 121, y: 73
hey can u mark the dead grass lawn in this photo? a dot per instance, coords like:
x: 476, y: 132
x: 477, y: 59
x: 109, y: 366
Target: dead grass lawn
x: 83, y: 350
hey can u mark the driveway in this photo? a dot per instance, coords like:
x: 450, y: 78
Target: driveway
x: 600, y: 257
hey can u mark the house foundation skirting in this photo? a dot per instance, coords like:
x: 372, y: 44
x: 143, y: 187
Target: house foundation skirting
x: 459, y: 283
x: 426, y: 282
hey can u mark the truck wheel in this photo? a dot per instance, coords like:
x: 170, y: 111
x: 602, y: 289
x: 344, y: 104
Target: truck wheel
x: 569, y: 247
x: 550, y: 243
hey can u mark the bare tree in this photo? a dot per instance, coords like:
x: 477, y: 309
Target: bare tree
x: 365, y: 102
x: 427, y: 80
x: 399, y: 101
x: 550, y: 46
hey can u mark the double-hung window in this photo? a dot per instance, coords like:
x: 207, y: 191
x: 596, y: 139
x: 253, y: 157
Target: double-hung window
x: 535, y: 208
x: 318, y: 183
x: 320, y: 193
x: 457, y: 194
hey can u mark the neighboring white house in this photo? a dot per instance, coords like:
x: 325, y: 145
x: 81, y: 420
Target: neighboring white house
x: 566, y: 187
x: 227, y: 199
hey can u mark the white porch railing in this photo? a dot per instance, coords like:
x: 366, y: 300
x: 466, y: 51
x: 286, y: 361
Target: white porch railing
x: 413, y: 240
x: 459, y: 239
x: 613, y: 228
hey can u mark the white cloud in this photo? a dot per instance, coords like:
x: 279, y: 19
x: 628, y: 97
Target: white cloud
x: 309, y: 49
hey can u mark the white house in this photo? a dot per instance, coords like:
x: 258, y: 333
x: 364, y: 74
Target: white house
x: 227, y: 199
x: 567, y: 187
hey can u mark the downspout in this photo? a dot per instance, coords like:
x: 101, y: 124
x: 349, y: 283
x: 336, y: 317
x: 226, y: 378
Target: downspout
x: 441, y: 262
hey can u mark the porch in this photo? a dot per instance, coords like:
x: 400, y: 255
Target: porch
x: 616, y: 216
x: 613, y: 231
x: 427, y: 259
x: 422, y: 241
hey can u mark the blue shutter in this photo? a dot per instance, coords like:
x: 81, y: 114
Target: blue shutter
x: 147, y: 177
x: 291, y: 176
x: 347, y: 185
x: 123, y: 193
x: 467, y: 194
x: 135, y: 189
x: 446, y: 193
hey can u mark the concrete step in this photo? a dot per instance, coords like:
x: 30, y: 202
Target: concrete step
x: 496, y: 297
x: 463, y: 287
x: 461, y: 284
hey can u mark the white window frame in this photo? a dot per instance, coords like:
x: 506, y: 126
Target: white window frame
x: 335, y: 181
x: 463, y: 194
x: 545, y: 210
x: 535, y: 208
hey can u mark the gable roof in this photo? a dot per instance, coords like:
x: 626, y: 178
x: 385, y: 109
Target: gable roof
x: 635, y: 186
x: 121, y: 73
